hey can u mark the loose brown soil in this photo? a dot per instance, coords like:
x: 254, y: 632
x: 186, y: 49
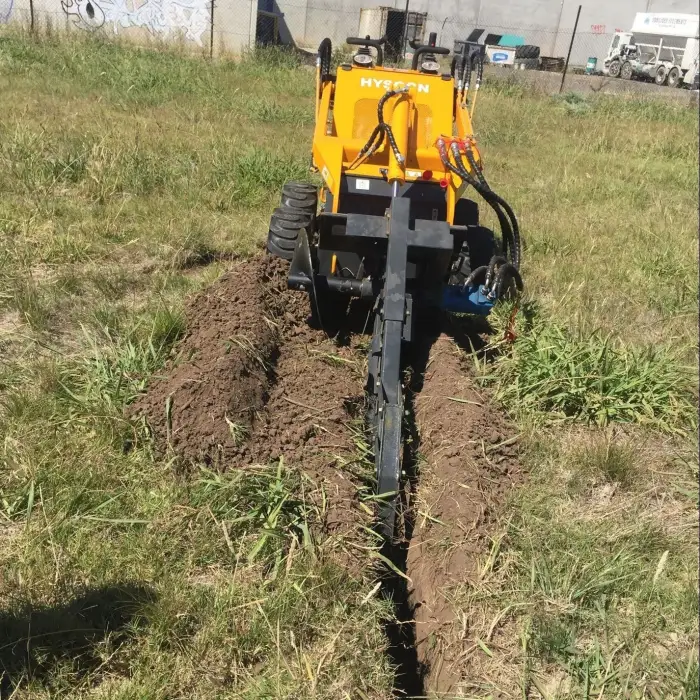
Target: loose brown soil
x: 253, y: 381
x: 212, y: 391
x: 468, y: 465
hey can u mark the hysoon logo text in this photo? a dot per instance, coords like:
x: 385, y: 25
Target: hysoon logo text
x: 389, y: 85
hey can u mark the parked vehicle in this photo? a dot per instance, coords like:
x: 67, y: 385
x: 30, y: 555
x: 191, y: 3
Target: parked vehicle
x: 659, y: 47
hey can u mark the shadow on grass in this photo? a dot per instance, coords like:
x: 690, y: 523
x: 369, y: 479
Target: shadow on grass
x: 34, y: 639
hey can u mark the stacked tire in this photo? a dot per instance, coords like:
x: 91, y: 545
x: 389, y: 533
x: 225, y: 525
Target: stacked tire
x: 297, y: 211
x: 527, y: 51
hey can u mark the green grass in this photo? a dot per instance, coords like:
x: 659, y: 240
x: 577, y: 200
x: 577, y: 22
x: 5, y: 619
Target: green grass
x: 152, y: 171
x: 607, y: 573
x: 556, y: 375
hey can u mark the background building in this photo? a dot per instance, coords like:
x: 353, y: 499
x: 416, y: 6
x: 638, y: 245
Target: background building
x: 219, y: 26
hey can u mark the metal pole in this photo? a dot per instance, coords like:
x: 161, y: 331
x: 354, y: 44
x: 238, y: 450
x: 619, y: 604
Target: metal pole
x: 211, y: 33
x: 556, y: 33
x: 571, y: 46
x: 405, y: 31
x: 31, y: 15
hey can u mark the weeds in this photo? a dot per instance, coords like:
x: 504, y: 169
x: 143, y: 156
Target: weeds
x: 558, y: 375
x: 267, y: 110
x: 273, y: 503
x: 27, y: 300
x: 603, y: 460
x: 260, y: 171
x: 114, y: 370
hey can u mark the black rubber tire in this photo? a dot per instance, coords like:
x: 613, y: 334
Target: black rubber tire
x: 527, y: 51
x: 661, y: 75
x: 286, y: 222
x: 274, y: 248
x: 297, y: 211
x: 466, y: 213
x: 626, y: 71
x: 300, y: 195
x: 614, y: 69
x: 673, y: 79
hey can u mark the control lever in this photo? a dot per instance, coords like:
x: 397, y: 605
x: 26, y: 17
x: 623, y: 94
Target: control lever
x: 367, y: 43
x: 429, y: 48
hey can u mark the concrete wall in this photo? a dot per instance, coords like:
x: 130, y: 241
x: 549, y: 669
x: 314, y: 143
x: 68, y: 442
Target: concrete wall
x: 546, y: 23
x: 186, y: 22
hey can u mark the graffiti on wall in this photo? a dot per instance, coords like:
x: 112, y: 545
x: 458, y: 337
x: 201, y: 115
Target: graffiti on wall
x: 84, y: 13
x: 161, y: 17
x: 5, y: 10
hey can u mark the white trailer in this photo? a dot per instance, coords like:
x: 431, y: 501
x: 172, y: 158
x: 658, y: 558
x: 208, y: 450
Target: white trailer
x: 659, y: 47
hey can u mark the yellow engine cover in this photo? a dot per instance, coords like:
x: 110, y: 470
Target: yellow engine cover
x: 347, y: 115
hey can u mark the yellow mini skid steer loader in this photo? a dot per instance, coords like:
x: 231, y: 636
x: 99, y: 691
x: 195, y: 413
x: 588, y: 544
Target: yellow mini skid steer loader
x: 396, y: 152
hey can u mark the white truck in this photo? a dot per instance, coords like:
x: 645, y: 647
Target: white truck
x: 659, y: 47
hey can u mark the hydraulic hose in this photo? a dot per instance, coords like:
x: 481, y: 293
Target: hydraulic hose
x: 479, y: 71
x: 474, y: 166
x: 382, y: 129
x: 479, y: 76
x: 491, y: 268
x: 467, y: 70
x: 456, y: 69
x: 487, y: 194
x: 386, y: 128
x: 475, y: 275
x: 494, y: 288
x: 442, y: 150
x: 323, y: 69
x: 514, y: 227
x: 497, y: 288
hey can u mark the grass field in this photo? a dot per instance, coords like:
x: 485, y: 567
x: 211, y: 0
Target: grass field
x: 128, y: 180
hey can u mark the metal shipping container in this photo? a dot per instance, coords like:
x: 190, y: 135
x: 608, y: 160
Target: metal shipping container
x: 390, y: 22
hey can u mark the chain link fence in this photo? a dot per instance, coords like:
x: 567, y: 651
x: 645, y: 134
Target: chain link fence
x: 305, y: 24
x: 219, y: 27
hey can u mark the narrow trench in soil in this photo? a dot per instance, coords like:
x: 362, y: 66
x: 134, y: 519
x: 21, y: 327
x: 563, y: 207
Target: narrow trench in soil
x: 409, y: 675
x: 401, y: 632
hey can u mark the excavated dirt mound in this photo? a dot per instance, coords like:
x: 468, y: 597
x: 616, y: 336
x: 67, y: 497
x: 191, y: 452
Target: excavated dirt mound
x: 252, y: 382
x: 469, y: 464
x: 211, y: 392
